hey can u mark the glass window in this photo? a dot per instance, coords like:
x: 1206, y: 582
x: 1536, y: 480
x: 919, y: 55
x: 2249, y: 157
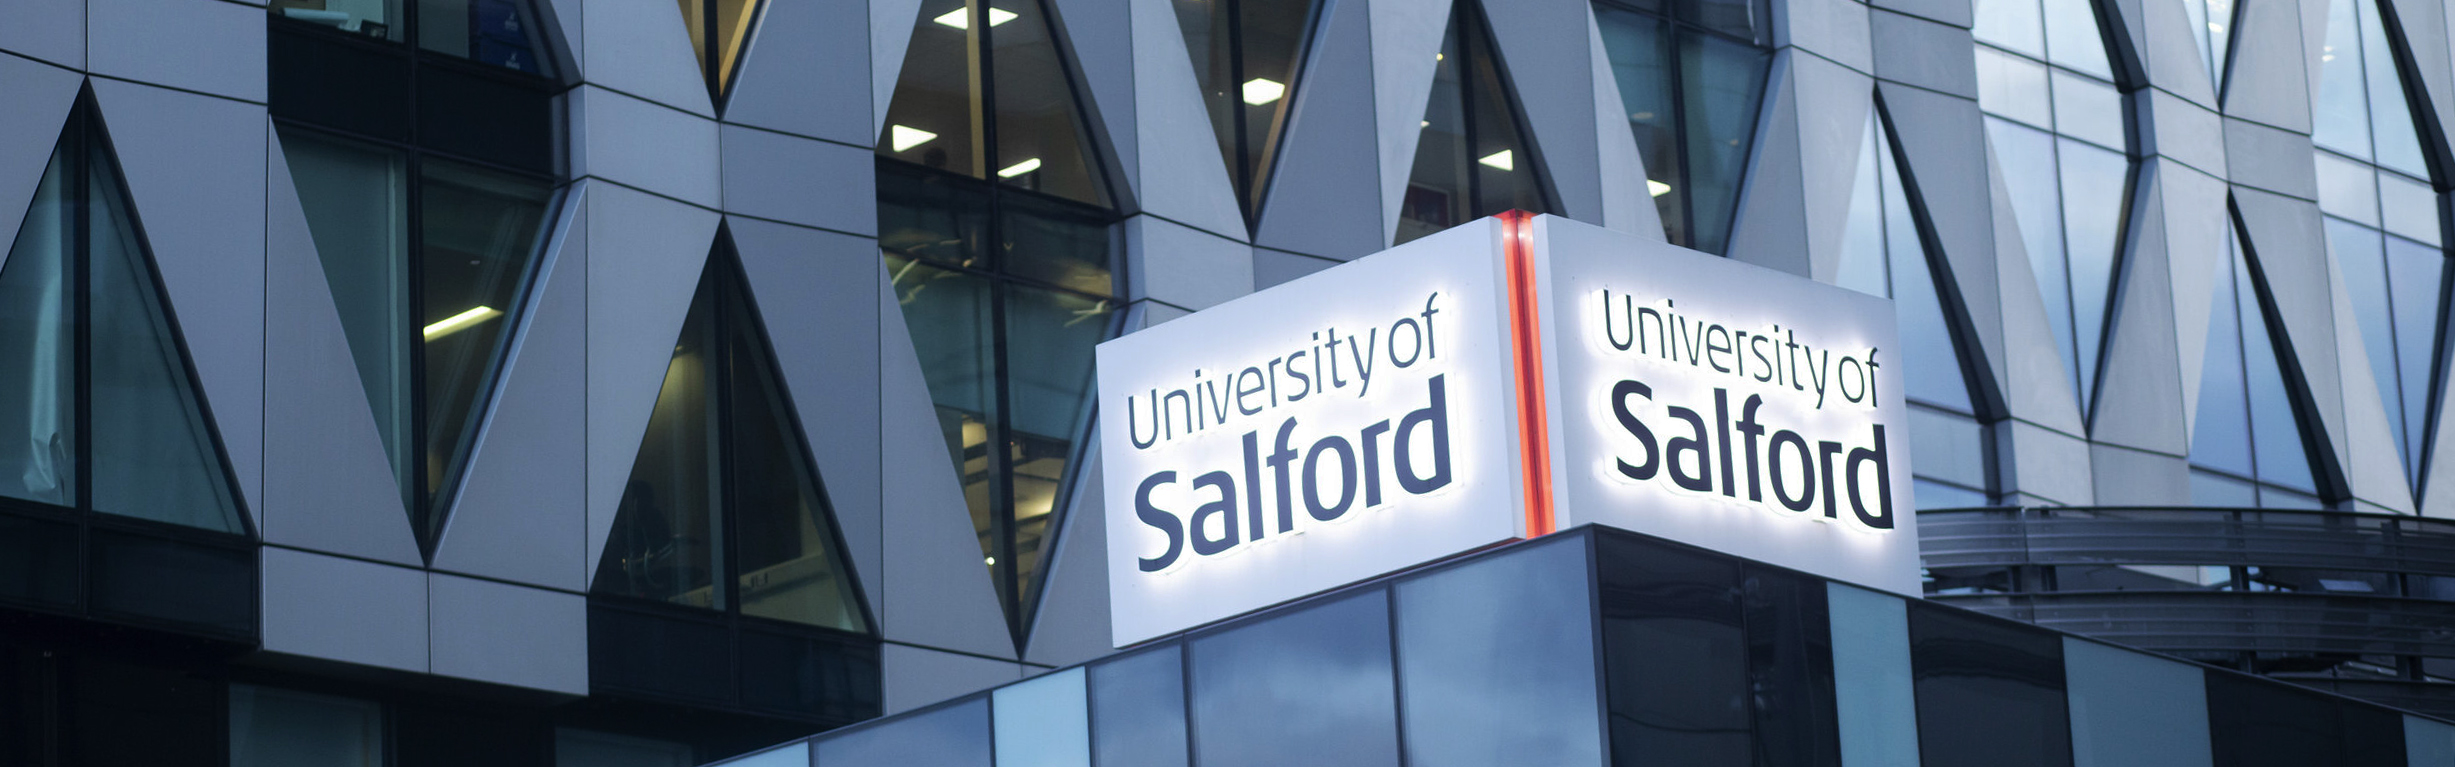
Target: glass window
x: 1246, y: 54
x: 1883, y: 254
x: 954, y: 736
x: 2383, y: 221
x: 2247, y: 447
x: 107, y: 419
x: 1691, y: 74
x: 1471, y: 159
x: 1043, y: 722
x: 2256, y: 723
x: 1005, y: 293
x: 2067, y: 168
x: 1675, y: 655
x: 1312, y: 686
x: 500, y: 33
x: 1497, y: 661
x: 794, y: 755
x: 984, y: 93
x: 426, y: 170
x: 2212, y: 24
x: 279, y: 728
x: 1990, y: 691
x: 1874, y: 700
x: 2130, y: 709
x: 1138, y: 709
x: 581, y: 748
x: 723, y: 509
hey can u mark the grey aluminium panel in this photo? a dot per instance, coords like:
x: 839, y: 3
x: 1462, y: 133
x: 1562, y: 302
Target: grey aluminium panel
x: 507, y: 634
x: 917, y: 677
x: 2373, y: 463
x: 1628, y: 205
x: 2288, y: 250
x: 2139, y: 400
x: 644, y: 257
x: 2132, y: 709
x: 1769, y: 226
x: 1100, y: 35
x: 521, y: 513
x: 1180, y: 174
x: 1272, y: 267
x: 2270, y: 82
x: 2186, y: 132
x: 1957, y: 13
x: 2423, y: 27
x: 215, y: 48
x: 1825, y: 124
x: 1833, y: 29
x: 799, y: 180
x: 1182, y: 266
x: 195, y: 170
x: 646, y: 145
x: 1406, y: 45
x: 642, y: 49
x: 2171, y: 51
x: 1072, y: 623
x: 2194, y: 223
x: 39, y: 97
x: 817, y: 296
x: 2134, y: 478
x: 1924, y: 53
x: 1553, y: 79
x: 51, y: 31
x: 1325, y: 184
x: 305, y: 597
x: 805, y: 70
x: 890, y: 32
x: 1941, y: 139
x: 2274, y: 160
x: 328, y: 482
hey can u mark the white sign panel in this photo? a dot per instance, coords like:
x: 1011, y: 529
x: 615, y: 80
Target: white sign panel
x: 1349, y: 424
x: 1726, y: 405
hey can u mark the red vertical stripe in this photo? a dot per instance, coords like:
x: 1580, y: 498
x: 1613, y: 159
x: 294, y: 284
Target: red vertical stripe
x: 1526, y: 347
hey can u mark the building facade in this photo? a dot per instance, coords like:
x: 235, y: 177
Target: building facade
x: 546, y: 381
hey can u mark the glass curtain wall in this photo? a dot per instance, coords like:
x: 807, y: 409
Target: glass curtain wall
x: 1883, y: 254
x: 1691, y: 74
x: 994, y: 222
x: 2058, y: 123
x: 1472, y: 158
x: 426, y: 180
x: 2383, y: 218
x: 723, y: 510
x: 2212, y: 24
x: 2247, y: 447
x: 1246, y: 59
x: 718, y: 30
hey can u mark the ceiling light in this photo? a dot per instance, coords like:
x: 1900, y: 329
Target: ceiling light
x: 1436, y: 57
x: 1020, y: 168
x: 1501, y: 159
x: 1427, y: 124
x: 1259, y: 91
x: 461, y: 321
x: 904, y: 137
x: 961, y: 18
x: 1657, y: 188
x: 2215, y: 27
x: 990, y: 561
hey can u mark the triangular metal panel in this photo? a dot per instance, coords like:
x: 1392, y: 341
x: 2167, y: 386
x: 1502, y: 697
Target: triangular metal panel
x: 643, y: 49
x: 2171, y: 48
x: 1325, y: 190
x: 2288, y: 250
x: 2195, y: 224
x: 805, y: 71
x: 1552, y: 81
x: 2035, y: 384
x: 1815, y: 129
x: 644, y: 258
x: 1406, y: 44
x: 39, y: 99
x: 936, y: 589
x: 2437, y: 499
x: 51, y: 31
x: 2271, y: 81
x: 1181, y: 175
x: 890, y: 34
x: 2374, y: 464
x: 815, y: 295
x: 1769, y: 221
x: 195, y: 165
x: 2423, y: 25
x: 1940, y: 138
x: 1071, y: 624
x: 1628, y: 205
x: 1100, y: 36
x: 328, y: 483
x: 568, y: 19
x: 521, y: 514
x: 2139, y: 404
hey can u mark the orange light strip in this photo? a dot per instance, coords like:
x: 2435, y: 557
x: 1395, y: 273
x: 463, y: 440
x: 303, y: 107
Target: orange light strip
x: 1526, y: 347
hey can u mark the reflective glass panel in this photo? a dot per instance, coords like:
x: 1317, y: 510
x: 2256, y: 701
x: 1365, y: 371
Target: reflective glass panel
x: 2220, y: 432
x: 2341, y: 120
x: 154, y: 455
x: 1989, y: 691
x: 1041, y: 144
x: 279, y: 728
x: 356, y: 197
x: 1043, y: 722
x: 1470, y: 159
x: 2131, y: 709
x: 1875, y: 702
x: 503, y: 33
x: 985, y: 93
x: 949, y: 313
x: 1722, y: 84
x: 934, y: 119
x: 581, y: 748
x: 38, y: 385
x: 667, y: 542
x: 479, y: 231
x: 379, y: 19
x: 954, y: 736
x: 791, y: 569
x: 1312, y: 686
x: 1138, y: 709
x: 1639, y: 48
x: 1675, y: 656
x: 1497, y: 661
x: 2016, y: 25
x: 1049, y: 340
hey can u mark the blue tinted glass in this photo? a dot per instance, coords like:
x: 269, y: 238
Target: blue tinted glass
x: 1931, y: 358
x: 2258, y: 723
x: 1950, y: 447
x: 955, y: 736
x: 2428, y: 741
x: 2131, y: 709
x: 1872, y: 692
x: 1641, y: 66
x: 1862, y: 242
x: 1138, y: 709
x: 2275, y: 428
x: 2013, y: 87
x: 2089, y: 110
x: 1042, y: 722
x: 1498, y: 662
x: 2212, y: 490
x: 1675, y: 655
x: 38, y: 397
x: 2015, y: 24
x: 2342, y: 119
x: 2399, y: 146
x: 1721, y: 84
x: 1936, y: 495
x: 2360, y: 259
x: 2027, y: 158
x: 2418, y: 276
x: 2220, y: 431
x: 795, y: 755
x: 1990, y: 692
x: 2093, y: 182
x: 1309, y: 687
x: 2072, y: 39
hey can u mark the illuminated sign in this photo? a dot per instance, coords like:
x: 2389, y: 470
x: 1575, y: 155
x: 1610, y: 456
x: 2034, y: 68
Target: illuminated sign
x: 1492, y: 382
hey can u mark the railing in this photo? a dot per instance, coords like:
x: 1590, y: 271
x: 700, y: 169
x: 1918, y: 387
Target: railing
x: 2333, y: 540
x: 2199, y: 624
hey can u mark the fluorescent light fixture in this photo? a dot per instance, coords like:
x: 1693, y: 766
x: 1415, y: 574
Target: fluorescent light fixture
x: 990, y: 561
x: 1426, y: 124
x: 961, y: 18
x: 1020, y: 168
x: 904, y: 137
x: 1262, y: 90
x: 1657, y: 188
x: 1501, y: 159
x: 461, y: 321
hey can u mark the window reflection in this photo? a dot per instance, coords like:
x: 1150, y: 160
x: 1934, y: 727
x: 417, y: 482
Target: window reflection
x: 1246, y: 55
x: 1691, y: 74
x: 501, y: 33
x: 985, y: 93
x: 1989, y: 691
x: 1471, y: 160
x: 2247, y: 447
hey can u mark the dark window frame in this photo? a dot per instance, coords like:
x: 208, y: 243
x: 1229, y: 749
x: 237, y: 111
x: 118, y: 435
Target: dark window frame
x: 1471, y: 25
x: 1257, y: 158
x: 1675, y: 25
